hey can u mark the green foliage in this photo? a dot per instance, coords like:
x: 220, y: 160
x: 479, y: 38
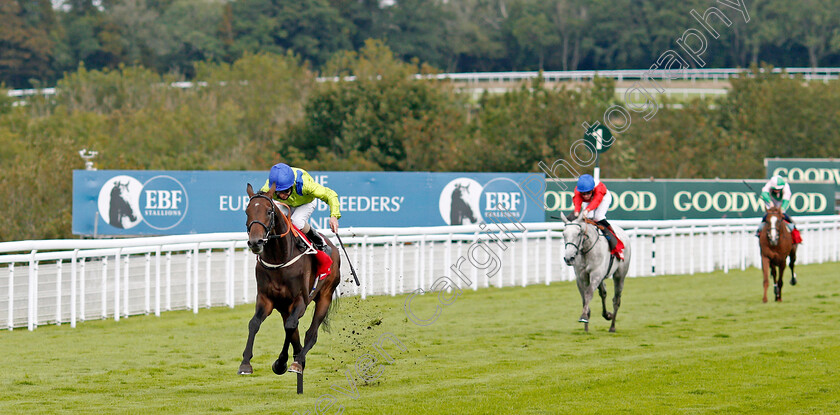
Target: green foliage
x: 25, y: 43
x: 136, y: 120
x: 39, y: 42
x: 265, y: 108
x: 106, y: 91
x: 783, y: 116
x: 309, y: 28
x: 384, y: 113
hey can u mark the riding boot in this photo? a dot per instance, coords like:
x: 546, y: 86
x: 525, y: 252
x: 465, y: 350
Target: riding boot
x: 609, y: 234
x: 301, y: 244
x: 318, y: 241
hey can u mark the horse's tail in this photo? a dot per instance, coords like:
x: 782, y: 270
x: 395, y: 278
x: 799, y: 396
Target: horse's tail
x: 325, y: 325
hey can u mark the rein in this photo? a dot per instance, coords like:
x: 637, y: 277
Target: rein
x: 583, y: 237
x: 269, y: 229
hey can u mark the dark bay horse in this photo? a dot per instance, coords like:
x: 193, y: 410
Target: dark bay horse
x: 776, y: 245
x: 284, y: 276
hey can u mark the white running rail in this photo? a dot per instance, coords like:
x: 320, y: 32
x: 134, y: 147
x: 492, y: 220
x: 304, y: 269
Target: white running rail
x: 469, y: 78
x: 67, y: 281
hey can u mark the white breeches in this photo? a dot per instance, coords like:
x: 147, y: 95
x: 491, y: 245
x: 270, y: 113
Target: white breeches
x: 600, y: 213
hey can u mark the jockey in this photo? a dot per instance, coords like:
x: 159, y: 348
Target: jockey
x: 776, y: 192
x: 298, y: 189
x: 594, y: 201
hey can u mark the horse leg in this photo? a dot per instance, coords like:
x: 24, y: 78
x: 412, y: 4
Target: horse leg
x: 297, y: 309
x: 582, y: 284
x: 587, y: 298
x: 322, y: 307
x: 280, y: 365
x: 263, y: 309
x: 291, y: 319
x: 792, y: 261
x: 765, y: 269
x: 619, y: 287
x: 602, y: 291
x: 780, y: 281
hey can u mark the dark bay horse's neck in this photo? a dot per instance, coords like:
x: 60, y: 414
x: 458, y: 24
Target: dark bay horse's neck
x: 279, y: 250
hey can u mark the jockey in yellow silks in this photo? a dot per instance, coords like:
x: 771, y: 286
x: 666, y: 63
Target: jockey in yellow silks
x: 296, y: 188
x: 776, y: 192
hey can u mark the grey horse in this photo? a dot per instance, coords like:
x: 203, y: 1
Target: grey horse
x: 588, y: 251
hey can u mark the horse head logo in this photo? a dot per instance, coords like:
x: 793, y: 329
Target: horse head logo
x: 120, y: 209
x: 460, y: 209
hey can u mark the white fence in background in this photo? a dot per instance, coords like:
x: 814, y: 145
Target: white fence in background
x: 471, y: 78
x: 67, y: 281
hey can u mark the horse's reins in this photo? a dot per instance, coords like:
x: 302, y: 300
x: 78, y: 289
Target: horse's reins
x: 269, y: 233
x: 583, y: 236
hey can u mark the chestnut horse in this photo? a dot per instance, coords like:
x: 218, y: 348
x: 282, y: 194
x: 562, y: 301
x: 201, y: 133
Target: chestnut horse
x: 776, y: 245
x: 285, y: 275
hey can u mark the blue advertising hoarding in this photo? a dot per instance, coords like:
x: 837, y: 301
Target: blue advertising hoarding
x: 142, y: 202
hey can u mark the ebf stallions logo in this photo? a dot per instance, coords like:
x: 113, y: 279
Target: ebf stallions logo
x: 119, y: 202
x: 464, y: 201
x: 161, y: 202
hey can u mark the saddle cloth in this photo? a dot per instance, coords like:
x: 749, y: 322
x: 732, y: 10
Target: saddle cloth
x: 324, y: 261
x: 618, y: 251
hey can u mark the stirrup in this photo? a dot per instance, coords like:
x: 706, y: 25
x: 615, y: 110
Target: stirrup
x: 320, y: 243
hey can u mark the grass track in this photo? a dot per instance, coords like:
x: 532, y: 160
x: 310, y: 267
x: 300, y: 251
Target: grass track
x: 685, y: 344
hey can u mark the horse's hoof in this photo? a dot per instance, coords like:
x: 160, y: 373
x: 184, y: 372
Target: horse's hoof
x: 608, y: 316
x: 296, y: 367
x: 279, y: 367
x: 612, y: 329
x: 764, y: 300
x: 793, y: 281
x: 245, y: 369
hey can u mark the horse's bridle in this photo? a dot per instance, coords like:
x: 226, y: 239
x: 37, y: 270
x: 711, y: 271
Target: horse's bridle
x: 269, y: 229
x: 583, y: 236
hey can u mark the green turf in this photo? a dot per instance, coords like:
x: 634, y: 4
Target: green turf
x: 685, y: 344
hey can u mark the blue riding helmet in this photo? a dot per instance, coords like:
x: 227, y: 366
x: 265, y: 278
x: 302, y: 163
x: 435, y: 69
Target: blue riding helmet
x: 585, y: 183
x: 282, y: 176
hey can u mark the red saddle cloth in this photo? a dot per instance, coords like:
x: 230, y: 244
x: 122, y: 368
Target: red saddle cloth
x: 797, y: 238
x: 619, y: 248
x: 324, y: 260
x: 618, y: 251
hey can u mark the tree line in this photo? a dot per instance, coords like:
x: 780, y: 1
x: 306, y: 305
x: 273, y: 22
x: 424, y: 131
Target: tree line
x: 39, y: 43
x: 276, y: 110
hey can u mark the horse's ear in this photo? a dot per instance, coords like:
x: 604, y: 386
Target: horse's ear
x: 564, y: 218
x: 271, y: 190
x: 250, y: 190
x: 579, y: 218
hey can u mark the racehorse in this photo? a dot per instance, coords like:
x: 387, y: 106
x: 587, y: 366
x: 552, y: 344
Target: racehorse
x: 588, y: 251
x: 284, y: 276
x: 776, y: 244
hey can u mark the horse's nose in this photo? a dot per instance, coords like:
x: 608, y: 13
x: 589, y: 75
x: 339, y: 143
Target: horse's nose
x: 256, y: 246
x: 569, y: 261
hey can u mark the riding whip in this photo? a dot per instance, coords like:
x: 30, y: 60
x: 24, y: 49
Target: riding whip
x: 352, y: 270
x: 748, y: 185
